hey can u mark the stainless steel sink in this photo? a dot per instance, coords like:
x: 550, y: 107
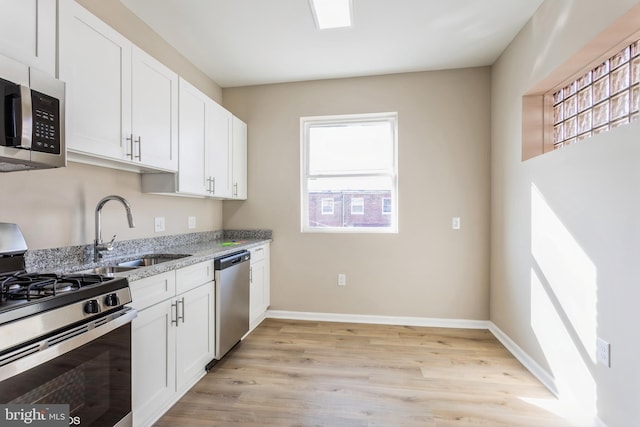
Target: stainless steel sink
x: 148, y: 260
x: 143, y: 261
x: 110, y: 269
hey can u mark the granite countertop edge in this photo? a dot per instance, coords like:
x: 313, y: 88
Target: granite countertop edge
x: 189, y: 249
x: 194, y: 255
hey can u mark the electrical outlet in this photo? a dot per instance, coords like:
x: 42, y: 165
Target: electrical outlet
x: 342, y: 279
x: 191, y: 221
x: 158, y: 224
x: 455, y: 223
x: 603, y: 352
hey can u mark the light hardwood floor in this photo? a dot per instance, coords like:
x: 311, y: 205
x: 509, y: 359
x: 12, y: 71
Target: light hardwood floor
x: 300, y: 373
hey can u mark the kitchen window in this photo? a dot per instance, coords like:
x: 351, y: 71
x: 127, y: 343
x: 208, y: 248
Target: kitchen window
x: 351, y: 160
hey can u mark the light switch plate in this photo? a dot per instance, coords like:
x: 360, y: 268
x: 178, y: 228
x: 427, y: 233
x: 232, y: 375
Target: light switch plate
x: 455, y: 223
x: 191, y: 221
x: 603, y: 352
x: 158, y: 224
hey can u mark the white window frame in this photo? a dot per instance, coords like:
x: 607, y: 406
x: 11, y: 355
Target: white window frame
x: 306, y: 123
x: 326, y: 201
x: 359, y: 204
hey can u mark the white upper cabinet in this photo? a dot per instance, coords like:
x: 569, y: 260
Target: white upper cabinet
x: 92, y: 57
x: 218, y: 151
x: 212, y: 151
x: 130, y: 124
x: 239, y: 159
x: 192, y: 125
x: 154, y: 105
x: 28, y: 32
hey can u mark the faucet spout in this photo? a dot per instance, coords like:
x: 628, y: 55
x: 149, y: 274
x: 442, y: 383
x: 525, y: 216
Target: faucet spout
x: 98, y: 245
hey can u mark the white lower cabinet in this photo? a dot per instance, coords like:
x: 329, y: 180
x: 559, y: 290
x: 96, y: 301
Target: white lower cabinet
x: 153, y: 362
x: 173, y: 337
x: 260, y: 294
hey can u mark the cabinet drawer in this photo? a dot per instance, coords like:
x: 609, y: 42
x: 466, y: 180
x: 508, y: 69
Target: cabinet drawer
x: 258, y: 253
x: 151, y: 290
x: 193, y: 276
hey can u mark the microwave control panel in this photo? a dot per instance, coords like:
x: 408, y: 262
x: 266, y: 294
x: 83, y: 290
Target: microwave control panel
x: 46, y: 123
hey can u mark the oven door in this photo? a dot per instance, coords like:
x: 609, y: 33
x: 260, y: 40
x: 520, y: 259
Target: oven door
x: 87, y: 367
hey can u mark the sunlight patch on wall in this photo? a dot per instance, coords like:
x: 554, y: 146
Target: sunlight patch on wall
x: 576, y: 387
x: 567, y: 269
x: 563, y: 303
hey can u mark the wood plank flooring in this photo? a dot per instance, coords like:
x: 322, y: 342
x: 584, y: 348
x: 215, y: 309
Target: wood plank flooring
x: 300, y: 373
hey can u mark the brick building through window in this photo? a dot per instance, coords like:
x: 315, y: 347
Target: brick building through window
x: 364, y: 208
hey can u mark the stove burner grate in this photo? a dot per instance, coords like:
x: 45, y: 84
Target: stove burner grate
x: 31, y: 286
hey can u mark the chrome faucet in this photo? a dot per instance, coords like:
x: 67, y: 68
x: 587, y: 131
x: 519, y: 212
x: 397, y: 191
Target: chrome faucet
x: 98, y: 245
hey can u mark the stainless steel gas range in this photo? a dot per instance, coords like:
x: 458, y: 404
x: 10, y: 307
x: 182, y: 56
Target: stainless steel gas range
x: 65, y: 339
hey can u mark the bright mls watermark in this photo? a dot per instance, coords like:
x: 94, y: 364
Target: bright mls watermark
x: 36, y: 416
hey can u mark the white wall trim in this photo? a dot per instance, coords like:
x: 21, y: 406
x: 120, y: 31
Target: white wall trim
x: 379, y: 320
x: 532, y: 366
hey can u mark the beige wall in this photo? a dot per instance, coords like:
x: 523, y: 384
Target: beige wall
x: 565, y: 235
x: 427, y: 269
x: 55, y: 207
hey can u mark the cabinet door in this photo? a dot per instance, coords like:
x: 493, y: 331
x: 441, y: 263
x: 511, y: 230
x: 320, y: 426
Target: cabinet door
x: 239, y: 155
x: 256, y: 296
x: 153, y: 361
x: 154, y: 121
x: 192, y: 119
x: 95, y: 63
x: 218, y: 154
x: 260, y: 296
x: 28, y: 32
x: 195, y: 338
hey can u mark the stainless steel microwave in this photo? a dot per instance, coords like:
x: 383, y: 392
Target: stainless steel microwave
x: 31, y: 118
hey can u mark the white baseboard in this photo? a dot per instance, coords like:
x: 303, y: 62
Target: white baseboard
x: 379, y: 320
x: 532, y: 366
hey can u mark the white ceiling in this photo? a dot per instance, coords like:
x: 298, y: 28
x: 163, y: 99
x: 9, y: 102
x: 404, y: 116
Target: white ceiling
x: 249, y: 42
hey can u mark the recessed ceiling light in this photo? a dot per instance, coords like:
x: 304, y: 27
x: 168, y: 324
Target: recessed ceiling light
x: 331, y: 13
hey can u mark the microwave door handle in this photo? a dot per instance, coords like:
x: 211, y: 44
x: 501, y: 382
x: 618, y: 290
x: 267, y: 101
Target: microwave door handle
x: 26, y: 118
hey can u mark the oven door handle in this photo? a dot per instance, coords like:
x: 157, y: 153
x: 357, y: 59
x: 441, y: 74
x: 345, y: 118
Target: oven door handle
x: 41, y: 352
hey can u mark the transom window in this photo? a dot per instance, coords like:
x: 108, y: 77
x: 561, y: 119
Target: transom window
x: 605, y: 97
x: 351, y: 160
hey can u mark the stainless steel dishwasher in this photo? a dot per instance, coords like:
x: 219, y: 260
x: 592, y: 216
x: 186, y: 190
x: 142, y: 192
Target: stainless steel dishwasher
x: 232, y: 302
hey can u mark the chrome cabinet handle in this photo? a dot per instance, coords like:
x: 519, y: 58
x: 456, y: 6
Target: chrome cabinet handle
x: 180, y: 317
x: 130, y: 140
x: 174, y: 305
x: 211, y: 187
x: 235, y: 189
x: 139, y: 156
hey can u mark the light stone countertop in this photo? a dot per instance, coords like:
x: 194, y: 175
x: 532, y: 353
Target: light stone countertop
x: 197, y: 252
x: 197, y: 247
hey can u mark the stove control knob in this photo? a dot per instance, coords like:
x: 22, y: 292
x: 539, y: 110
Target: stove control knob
x: 92, y: 307
x: 111, y: 300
